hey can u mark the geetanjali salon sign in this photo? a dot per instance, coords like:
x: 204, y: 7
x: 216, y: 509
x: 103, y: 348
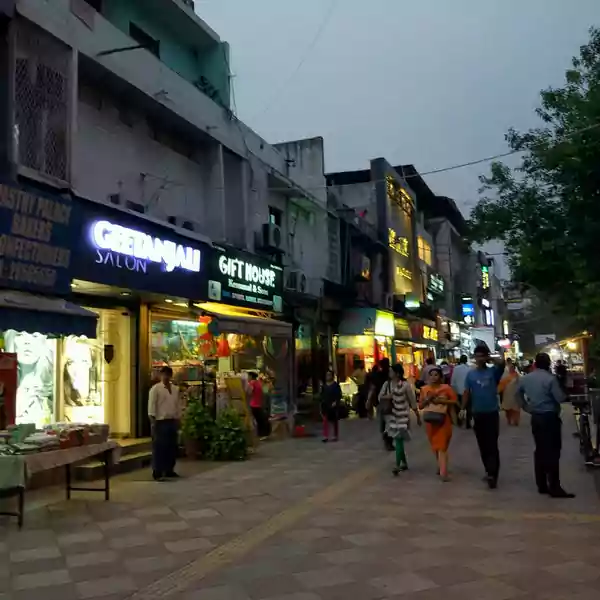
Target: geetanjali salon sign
x: 120, y: 249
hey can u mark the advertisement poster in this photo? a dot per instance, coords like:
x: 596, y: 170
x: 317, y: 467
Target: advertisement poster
x: 8, y: 388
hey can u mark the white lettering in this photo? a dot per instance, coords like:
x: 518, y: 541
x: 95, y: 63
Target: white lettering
x: 141, y: 246
x: 246, y: 271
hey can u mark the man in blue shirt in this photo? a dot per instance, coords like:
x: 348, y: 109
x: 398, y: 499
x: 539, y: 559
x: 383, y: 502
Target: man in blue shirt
x: 481, y: 390
x: 541, y: 396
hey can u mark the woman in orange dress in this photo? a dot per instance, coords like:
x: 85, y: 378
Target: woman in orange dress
x: 508, y: 388
x: 436, y: 398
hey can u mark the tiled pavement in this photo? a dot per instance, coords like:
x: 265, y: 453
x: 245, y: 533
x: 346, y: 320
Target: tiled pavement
x: 303, y: 521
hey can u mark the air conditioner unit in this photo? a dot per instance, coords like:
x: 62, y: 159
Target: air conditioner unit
x: 387, y: 301
x: 272, y: 238
x: 296, y: 281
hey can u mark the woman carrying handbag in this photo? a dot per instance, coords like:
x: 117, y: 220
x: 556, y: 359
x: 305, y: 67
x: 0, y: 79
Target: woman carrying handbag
x: 436, y: 399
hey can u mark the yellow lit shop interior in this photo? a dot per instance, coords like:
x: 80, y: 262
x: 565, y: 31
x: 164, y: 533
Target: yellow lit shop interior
x: 75, y: 378
x: 213, y: 349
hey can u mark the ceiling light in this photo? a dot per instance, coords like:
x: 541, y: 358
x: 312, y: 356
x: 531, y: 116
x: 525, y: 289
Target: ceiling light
x: 168, y: 301
x: 74, y: 285
x: 125, y: 293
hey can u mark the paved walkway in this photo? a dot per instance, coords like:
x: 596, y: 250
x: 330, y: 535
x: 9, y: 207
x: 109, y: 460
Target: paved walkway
x: 304, y: 521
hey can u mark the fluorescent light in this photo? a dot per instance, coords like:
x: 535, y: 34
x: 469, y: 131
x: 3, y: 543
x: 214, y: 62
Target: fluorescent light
x: 168, y: 301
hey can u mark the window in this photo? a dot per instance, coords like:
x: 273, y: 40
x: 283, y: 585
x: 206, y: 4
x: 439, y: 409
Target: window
x: 275, y: 216
x: 143, y: 39
x: 95, y: 4
x: 424, y: 251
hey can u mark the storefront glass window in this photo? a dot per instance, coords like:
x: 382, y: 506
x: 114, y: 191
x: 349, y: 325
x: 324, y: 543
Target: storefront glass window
x: 36, y: 356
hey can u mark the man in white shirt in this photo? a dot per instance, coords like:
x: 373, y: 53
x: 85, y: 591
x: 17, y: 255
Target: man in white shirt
x: 459, y: 375
x: 164, y: 410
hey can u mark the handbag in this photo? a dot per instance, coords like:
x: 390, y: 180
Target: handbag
x: 435, y: 414
x: 386, y: 405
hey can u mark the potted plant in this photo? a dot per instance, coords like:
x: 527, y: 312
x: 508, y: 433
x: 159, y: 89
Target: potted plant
x: 197, y: 427
x: 230, y: 438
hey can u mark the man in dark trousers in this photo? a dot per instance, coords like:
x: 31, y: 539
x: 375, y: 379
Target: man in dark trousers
x: 164, y: 411
x: 481, y: 390
x: 541, y: 396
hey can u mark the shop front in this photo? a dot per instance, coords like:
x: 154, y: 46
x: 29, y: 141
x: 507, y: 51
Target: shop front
x: 231, y: 330
x: 124, y: 268
x: 366, y: 335
x: 425, y: 341
x: 38, y: 234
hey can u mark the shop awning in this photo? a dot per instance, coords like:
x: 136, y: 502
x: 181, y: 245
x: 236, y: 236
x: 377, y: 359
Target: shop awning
x: 230, y: 321
x: 28, y: 312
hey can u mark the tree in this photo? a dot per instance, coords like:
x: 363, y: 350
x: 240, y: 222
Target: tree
x: 547, y: 209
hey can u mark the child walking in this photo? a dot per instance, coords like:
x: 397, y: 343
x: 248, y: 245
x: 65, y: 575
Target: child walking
x: 397, y: 398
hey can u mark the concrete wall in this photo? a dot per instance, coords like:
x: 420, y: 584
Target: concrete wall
x: 111, y: 157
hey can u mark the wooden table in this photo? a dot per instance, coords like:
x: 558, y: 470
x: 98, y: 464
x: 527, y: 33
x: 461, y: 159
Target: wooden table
x: 44, y: 461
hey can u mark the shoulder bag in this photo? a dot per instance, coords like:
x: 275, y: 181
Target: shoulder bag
x: 386, y: 404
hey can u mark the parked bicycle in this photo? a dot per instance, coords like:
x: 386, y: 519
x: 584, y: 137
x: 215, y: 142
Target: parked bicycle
x: 585, y: 419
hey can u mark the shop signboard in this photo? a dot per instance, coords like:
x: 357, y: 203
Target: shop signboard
x: 117, y: 248
x: 243, y: 279
x: 37, y: 234
x: 435, y: 284
x: 425, y: 331
x: 384, y: 324
x: 401, y: 329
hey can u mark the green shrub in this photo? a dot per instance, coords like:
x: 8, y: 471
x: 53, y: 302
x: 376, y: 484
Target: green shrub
x: 229, y: 440
x: 198, y: 425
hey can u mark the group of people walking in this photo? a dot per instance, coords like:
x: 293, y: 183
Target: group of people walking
x: 473, y: 395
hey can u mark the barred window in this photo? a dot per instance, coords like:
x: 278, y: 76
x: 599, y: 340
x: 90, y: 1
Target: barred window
x: 42, y: 69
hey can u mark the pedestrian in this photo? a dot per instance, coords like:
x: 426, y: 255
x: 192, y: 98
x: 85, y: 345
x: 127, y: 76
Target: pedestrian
x: 561, y: 374
x: 541, y: 396
x: 370, y: 385
x: 429, y: 364
x: 481, y: 389
x: 379, y: 380
x: 331, y: 397
x: 257, y: 406
x: 509, y: 396
x: 359, y: 377
x: 457, y: 382
x: 164, y: 411
x: 437, y: 400
x: 398, y: 394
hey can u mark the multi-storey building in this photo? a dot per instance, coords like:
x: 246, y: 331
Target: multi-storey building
x: 119, y: 112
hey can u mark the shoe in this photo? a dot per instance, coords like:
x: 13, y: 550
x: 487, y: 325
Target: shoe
x: 403, y: 467
x: 396, y: 471
x: 324, y: 440
x: 157, y: 476
x: 173, y: 475
x: 445, y: 478
x: 492, y: 482
x: 543, y: 491
x: 561, y: 494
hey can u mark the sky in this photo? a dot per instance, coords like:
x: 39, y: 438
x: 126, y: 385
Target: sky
x: 434, y: 83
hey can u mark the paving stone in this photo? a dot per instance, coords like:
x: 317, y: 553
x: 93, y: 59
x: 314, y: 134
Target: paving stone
x: 406, y: 583
x: 42, y: 579
x: 201, y: 513
x: 43, y: 553
x: 91, y: 558
x: 86, y: 536
x: 313, y: 580
x: 189, y: 545
x: 104, y: 587
x: 226, y: 592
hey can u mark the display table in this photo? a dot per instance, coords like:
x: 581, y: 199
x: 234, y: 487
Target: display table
x: 15, y: 470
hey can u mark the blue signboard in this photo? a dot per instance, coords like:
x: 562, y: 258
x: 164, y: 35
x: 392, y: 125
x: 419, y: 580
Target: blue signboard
x: 120, y: 249
x: 468, y: 310
x: 37, y: 232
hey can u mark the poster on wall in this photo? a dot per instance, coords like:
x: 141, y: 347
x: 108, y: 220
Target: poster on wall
x: 8, y: 389
x: 82, y: 380
x: 243, y: 279
x: 36, y: 356
x: 37, y: 233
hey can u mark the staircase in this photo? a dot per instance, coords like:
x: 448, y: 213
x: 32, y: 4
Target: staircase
x: 135, y: 454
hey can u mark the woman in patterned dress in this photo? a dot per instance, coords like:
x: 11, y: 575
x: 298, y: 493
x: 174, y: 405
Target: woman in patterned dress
x: 397, y: 398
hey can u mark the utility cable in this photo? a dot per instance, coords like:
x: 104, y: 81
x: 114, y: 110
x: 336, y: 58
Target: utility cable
x: 320, y: 30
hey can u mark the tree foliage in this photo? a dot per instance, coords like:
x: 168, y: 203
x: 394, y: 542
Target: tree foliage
x: 547, y: 209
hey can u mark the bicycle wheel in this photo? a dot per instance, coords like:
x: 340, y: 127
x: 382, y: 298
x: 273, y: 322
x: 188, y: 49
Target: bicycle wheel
x: 587, y: 448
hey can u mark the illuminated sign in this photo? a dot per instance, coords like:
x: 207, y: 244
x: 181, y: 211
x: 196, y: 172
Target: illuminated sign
x: 242, y: 279
x: 139, y: 248
x: 384, y: 324
x: 485, y: 277
x: 505, y: 327
x: 485, y: 302
x: 468, y: 310
x: 404, y: 272
x: 401, y: 329
x: 430, y: 333
x: 36, y: 237
x: 436, y: 283
x: 398, y: 244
